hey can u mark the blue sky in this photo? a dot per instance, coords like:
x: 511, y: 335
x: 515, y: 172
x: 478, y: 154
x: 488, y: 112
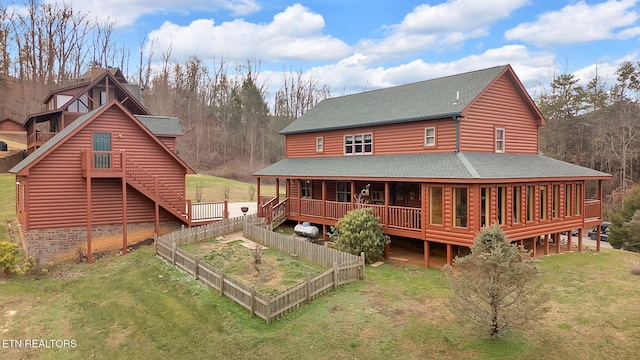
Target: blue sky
x: 355, y: 45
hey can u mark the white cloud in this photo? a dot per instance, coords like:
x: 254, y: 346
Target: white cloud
x: 352, y: 75
x: 457, y: 15
x: 446, y: 25
x: 127, y: 12
x: 295, y: 33
x: 579, y: 23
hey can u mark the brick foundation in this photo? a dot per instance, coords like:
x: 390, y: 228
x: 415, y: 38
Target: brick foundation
x: 55, y: 245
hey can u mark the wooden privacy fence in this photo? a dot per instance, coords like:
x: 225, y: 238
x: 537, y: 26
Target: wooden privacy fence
x: 345, y: 268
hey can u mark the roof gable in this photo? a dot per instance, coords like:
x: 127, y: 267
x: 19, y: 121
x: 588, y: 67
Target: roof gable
x: 23, y: 167
x: 430, y: 99
x: 113, y: 80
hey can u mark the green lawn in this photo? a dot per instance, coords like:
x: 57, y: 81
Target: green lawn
x: 8, y: 202
x: 139, y: 307
x: 213, y: 189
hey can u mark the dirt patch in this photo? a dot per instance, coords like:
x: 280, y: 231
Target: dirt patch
x: 275, y: 273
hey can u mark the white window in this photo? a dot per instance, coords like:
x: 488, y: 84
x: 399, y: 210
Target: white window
x: 499, y: 140
x: 305, y: 189
x: 62, y: 99
x: 343, y: 193
x: 358, y: 144
x: 319, y: 144
x: 430, y: 136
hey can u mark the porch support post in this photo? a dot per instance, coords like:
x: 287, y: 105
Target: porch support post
x: 353, y: 193
x: 423, y: 218
x: 579, y: 240
x: 449, y: 255
x: 546, y: 244
x: 569, y: 239
x: 277, y: 190
x: 324, y: 199
x: 387, y: 200
x: 124, y: 216
x: 427, y: 253
x: 387, y: 251
x: 258, y: 197
x: 89, y: 216
x: 157, y: 206
x: 556, y: 238
x: 534, y: 244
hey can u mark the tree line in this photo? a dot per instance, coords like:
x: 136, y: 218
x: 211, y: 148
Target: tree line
x: 231, y: 127
x: 596, y: 125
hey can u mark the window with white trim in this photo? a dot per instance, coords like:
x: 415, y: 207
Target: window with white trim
x: 430, y: 136
x: 358, y: 144
x: 343, y: 192
x: 499, y: 140
x: 319, y: 144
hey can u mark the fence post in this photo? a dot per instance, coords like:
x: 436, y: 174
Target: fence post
x: 363, y: 264
x: 195, y: 271
x: 155, y: 242
x: 308, y: 287
x: 173, y: 253
x: 253, y: 300
x: 335, y: 276
x: 221, y: 282
x: 268, y: 310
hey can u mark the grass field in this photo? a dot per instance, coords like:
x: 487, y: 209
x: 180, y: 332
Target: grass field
x: 139, y: 307
x: 213, y: 189
x: 7, y: 202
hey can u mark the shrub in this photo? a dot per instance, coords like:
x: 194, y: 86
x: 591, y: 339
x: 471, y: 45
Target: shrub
x: 13, y: 261
x: 360, y: 231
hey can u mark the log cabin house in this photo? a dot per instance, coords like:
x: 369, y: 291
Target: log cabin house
x: 102, y: 173
x: 436, y: 160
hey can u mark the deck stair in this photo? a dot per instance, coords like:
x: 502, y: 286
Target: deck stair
x: 154, y: 189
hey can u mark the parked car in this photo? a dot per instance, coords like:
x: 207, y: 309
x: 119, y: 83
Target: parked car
x: 573, y: 232
x: 604, y: 232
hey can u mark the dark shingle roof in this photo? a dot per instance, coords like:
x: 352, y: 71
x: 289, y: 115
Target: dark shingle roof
x: 428, y: 99
x: 449, y: 166
x: 161, y: 125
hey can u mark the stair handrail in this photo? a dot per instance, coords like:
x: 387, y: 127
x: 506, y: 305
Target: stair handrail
x: 167, y: 195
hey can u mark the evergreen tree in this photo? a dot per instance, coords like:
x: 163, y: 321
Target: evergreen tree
x: 497, y: 287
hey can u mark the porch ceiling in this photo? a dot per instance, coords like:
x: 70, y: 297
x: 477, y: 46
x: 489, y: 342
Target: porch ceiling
x: 449, y: 166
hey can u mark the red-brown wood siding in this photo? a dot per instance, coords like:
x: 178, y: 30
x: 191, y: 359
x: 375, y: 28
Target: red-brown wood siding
x: 10, y: 125
x: 500, y: 106
x: 169, y: 141
x: 403, y: 138
x: 447, y: 232
x: 57, y: 190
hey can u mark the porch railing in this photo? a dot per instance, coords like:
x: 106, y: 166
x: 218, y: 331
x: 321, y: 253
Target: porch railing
x: 592, y: 209
x: 310, y: 207
x: 402, y: 217
x: 209, y: 211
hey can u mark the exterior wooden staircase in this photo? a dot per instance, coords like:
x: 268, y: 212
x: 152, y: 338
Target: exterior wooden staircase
x: 273, y: 212
x: 151, y: 187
